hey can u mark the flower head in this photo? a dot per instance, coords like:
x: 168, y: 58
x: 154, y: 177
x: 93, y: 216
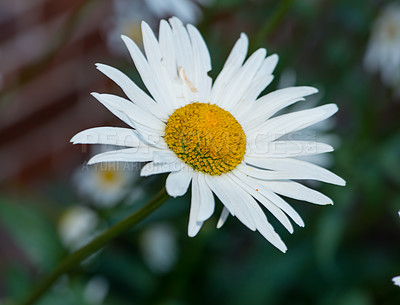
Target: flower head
x: 78, y: 225
x: 159, y: 246
x: 220, y: 137
x: 107, y: 183
x: 396, y: 279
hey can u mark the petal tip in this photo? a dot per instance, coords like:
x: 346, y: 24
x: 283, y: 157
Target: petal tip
x: 194, y: 229
x: 126, y: 39
x: 340, y: 181
x: 92, y: 161
x: 281, y: 246
x: 274, y: 56
x: 243, y: 36
x: 100, y: 66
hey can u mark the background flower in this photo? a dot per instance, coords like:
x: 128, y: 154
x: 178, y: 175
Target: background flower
x: 78, y: 226
x: 396, y: 280
x: 128, y: 14
x: 383, y: 52
x: 107, y: 184
x: 159, y: 247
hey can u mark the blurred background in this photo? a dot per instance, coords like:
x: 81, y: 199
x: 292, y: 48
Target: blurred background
x: 51, y: 202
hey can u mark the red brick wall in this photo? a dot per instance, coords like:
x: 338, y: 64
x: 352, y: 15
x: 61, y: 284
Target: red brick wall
x: 47, y: 54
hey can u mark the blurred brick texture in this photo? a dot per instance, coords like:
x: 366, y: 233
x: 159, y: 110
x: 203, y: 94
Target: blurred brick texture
x: 47, y: 54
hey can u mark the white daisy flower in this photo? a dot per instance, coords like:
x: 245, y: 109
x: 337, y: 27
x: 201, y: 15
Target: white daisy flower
x: 159, y: 247
x: 78, y: 225
x: 383, y: 51
x: 106, y: 184
x: 219, y: 137
x: 396, y: 279
x: 96, y: 290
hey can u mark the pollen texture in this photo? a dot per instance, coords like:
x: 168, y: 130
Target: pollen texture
x: 206, y: 137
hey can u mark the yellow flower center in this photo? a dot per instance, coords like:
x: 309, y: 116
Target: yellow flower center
x: 108, y: 177
x: 391, y: 30
x: 206, y: 137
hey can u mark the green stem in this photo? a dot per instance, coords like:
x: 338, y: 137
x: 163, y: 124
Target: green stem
x: 271, y: 23
x: 76, y: 257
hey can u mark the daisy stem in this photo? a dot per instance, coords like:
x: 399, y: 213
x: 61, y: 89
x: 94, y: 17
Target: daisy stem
x: 75, y: 258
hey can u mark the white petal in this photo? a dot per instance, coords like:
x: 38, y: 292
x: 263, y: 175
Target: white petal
x: 240, y: 82
x: 251, y: 94
x: 275, y: 199
x: 284, y: 149
x: 164, y: 156
x: 130, y: 113
x: 153, y: 169
x: 298, y: 191
x: 222, y: 219
x: 286, y: 123
x: 178, y: 182
x: 183, y: 48
x: 259, y: 218
x: 194, y: 224
x: 269, y: 64
x: 232, y: 64
x: 190, y: 68
x: 396, y: 280
x: 150, y: 129
x: 266, y: 229
x: 167, y: 48
x: 202, y: 64
x: 151, y: 46
x: 150, y: 80
x: 206, y: 199
x: 253, y: 189
x: 108, y: 136
x: 132, y: 91
x: 239, y: 51
x: 116, y: 111
x: 200, y: 46
x: 233, y: 200
x: 138, y: 154
x: 154, y: 57
x: 269, y: 104
x: 290, y: 169
x: 278, y: 201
